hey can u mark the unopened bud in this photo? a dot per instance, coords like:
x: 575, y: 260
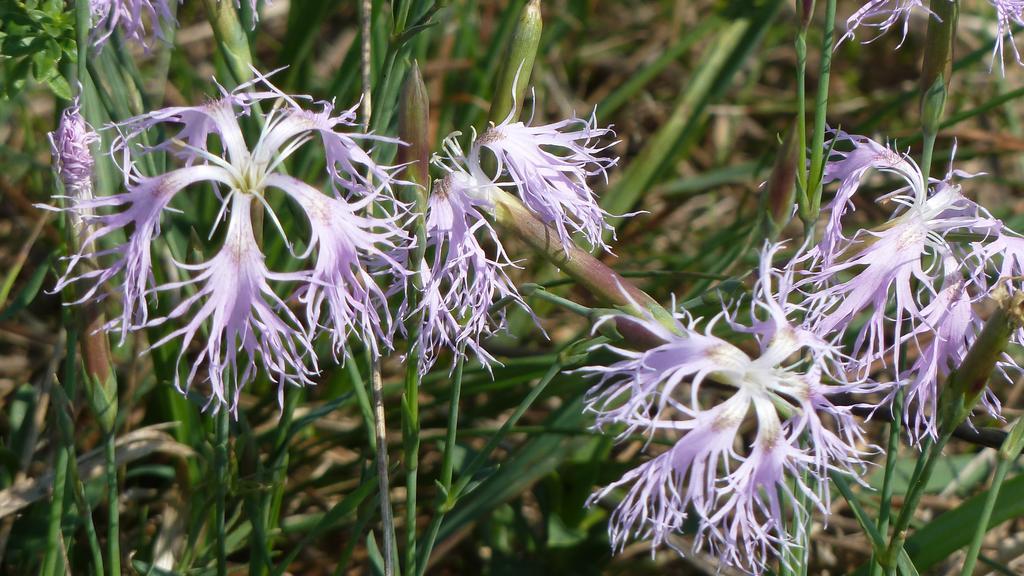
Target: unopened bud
x: 414, y: 130
x: 938, y: 62
x: 779, y: 192
x: 1014, y: 442
x: 414, y: 126
x: 232, y: 38
x: 592, y: 274
x: 514, y: 76
x: 805, y: 10
x: 966, y: 384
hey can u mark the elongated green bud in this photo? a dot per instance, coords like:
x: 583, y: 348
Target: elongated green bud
x: 100, y: 380
x: 589, y: 272
x: 231, y: 38
x: 1014, y: 442
x: 966, y: 384
x: 514, y: 76
x: 414, y: 130
x: 938, y: 62
x: 414, y: 126
x: 779, y: 192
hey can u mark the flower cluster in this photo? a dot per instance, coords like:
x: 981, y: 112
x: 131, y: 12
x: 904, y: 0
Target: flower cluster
x: 233, y: 297
x: 917, y: 278
x: 743, y: 487
x: 466, y: 287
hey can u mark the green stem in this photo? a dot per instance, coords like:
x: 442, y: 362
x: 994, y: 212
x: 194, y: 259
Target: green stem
x: 986, y: 514
x: 892, y: 449
x: 927, y: 150
x: 221, y: 467
x: 54, y: 541
x: 801, y: 118
x: 411, y: 440
x: 481, y: 457
x: 113, y: 525
x: 931, y: 453
x: 83, y: 508
x: 820, y: 110
x: 447, y: 464
x: 384, y: 490
x: 362, y: 399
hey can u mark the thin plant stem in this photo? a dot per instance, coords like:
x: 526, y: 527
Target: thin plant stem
x: 927, y: 150
x: 221, y: 467
x: 986, y: 514
x: 83, y: 507
x: 54, y: 539
x: 447, y: 463
x: 931, y: 453
x: 885, y: 506
x: 411, y: 441
x: 384, y: 492
x: 820, y: 110
x: 801, y: 116
x: 113, y: 524
x: 365, y: 29
x: 481, y: 457
x: 362, y: 399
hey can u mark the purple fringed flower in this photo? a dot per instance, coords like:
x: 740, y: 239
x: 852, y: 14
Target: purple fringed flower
x: 883, y: 15
x: 233, y: 293
x: 462, y: 280
x: 549, y: 166
x: 849, y: 168
x: 71, y: 147
x: 949, y: 326
x: 744, y: 498
x: 1008, y: 13
x: 911, y: 277
x: 887, y: 262
x: 130, y: 17
x: 243, y: 313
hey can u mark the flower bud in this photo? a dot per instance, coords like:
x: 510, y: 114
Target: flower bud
x: 231, y: 37
x: 414, y: 126
x: 514, y: 76
x: 414, y: 130
x: 589, y: 272
x: 778, y: 193
x: 968, y: 381
x: 938, y: 62
x: 1014, y: 442
x: 805, y: 10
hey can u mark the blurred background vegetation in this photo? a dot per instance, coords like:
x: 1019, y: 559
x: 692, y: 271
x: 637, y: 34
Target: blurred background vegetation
x: 699, y: 92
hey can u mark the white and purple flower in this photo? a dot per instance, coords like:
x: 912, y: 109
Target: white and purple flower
x: 233, y: 294
x: 882, y: 15
x: 915, y: 280
x: 462, y: 279
x: 703, y: 390
x: 549, y: 165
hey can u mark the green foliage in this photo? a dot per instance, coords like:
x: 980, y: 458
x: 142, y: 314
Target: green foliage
x: 36, y: 38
